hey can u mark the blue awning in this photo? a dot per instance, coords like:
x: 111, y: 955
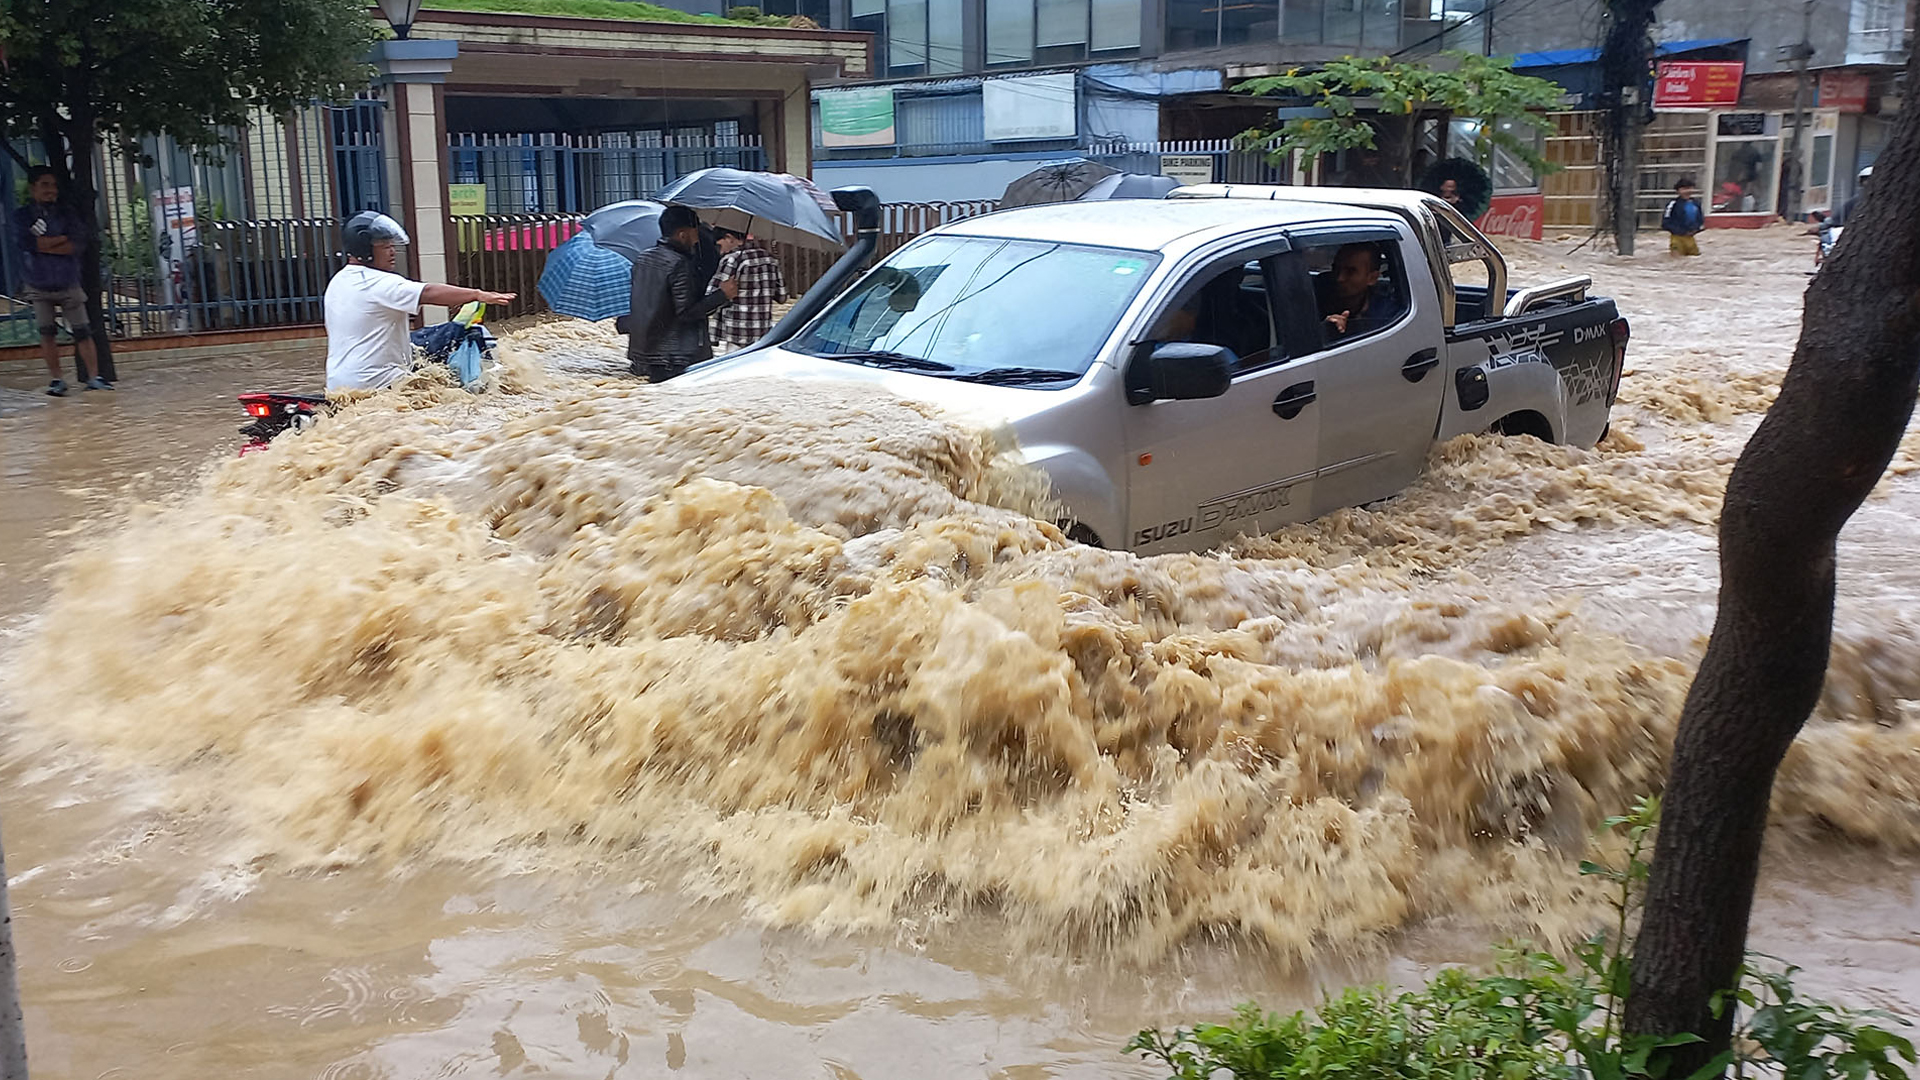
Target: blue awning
x: 1566, y: 57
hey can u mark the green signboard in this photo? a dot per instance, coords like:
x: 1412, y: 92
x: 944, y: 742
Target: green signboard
x: 466, y: 200
x: 862, y: 116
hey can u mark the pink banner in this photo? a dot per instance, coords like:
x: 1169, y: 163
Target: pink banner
x: 1515, y: 215
x: 541, y: 237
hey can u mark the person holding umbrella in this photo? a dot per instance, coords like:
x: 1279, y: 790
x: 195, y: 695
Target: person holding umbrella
x: 760, y: 287
x: 667, y: 319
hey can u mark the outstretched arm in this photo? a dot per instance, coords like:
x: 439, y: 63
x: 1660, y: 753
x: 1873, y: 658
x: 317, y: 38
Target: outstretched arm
x: 453, y: 296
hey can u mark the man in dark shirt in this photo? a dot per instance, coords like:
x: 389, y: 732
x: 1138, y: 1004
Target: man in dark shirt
x: 52, y: 236
x: 1352, y: 301
x: 667, y: 318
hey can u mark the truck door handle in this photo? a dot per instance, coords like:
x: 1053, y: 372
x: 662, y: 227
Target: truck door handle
x: 1419, y: 364
x: 1293, y: 399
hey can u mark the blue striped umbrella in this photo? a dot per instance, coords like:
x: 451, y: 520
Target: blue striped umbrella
x: 587, y: 281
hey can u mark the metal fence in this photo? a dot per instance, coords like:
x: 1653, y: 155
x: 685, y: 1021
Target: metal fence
x: 1231, y: 164
x: 507, y: 252
x: 240, y: 275
x: 899, y: 223
x: 559, y: 173
x: 245, y: 237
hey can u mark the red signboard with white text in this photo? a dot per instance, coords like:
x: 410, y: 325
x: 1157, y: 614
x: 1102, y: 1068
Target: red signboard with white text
x: 1697, y: 84
x: 1846, y: 91
x: 1515, y: 215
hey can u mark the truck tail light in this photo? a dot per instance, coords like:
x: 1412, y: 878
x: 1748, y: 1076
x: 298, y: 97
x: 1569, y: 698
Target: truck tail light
x: 1620, y: 332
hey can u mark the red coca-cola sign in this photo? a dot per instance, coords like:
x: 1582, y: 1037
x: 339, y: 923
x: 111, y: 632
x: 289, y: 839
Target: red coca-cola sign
x: 1515, y: 215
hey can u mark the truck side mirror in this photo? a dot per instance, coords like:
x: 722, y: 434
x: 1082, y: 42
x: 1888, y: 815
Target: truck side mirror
x: 1179, y: 371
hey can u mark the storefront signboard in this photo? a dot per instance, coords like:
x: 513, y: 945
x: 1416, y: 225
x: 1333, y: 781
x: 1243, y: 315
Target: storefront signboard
x: 466, y: 200
x: 1697, y: 84
x: 1030, y: 107
x: 1843, y: 90
x: 859, y: 116
x: 1189, y: 169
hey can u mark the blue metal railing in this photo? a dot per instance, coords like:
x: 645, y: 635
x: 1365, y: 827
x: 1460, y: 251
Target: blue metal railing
x: 568, y: 174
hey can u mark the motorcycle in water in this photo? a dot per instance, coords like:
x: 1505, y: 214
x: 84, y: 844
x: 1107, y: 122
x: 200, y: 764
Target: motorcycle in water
x: 462, y: 344
x: 1829, y: 233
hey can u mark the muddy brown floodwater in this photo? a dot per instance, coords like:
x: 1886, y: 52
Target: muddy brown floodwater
x: 596, y: 729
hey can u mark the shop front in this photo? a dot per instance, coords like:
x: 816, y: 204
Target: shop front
x: 1747, y: 159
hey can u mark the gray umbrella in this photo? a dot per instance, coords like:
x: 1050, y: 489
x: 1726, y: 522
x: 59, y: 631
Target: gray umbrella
x: 770, y: 206
x: 1056, y: 182
x: 1130, y: 186
x: 629, y: 228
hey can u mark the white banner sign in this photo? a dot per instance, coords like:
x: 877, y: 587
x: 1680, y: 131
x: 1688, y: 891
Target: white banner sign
x: 1030, y: 107
x: 1189, y: 169
x: 174, y: 233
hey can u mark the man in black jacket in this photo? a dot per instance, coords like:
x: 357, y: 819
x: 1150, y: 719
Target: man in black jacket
x: 667, y: 323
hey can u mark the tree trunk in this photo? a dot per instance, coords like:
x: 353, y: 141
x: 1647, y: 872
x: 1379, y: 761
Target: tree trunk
x: 1626, y: 61
x: 86, y: 194
x: 13, y: 1033
x: 1840, y: 415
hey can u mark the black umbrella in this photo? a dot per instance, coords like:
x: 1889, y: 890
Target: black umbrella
x: 772, y: 206
x: 1056, y: 182
x: 1130, y: 186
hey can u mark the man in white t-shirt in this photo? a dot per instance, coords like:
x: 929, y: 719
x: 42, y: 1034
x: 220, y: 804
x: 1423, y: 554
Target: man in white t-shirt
x: 369, y: 305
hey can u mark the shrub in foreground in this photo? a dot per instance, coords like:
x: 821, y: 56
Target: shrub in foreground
x: 1534, y: 1017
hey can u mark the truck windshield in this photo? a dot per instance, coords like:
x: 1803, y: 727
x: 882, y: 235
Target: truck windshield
x: 1018, y: 312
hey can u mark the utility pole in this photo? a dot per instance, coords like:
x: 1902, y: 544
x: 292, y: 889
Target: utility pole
x: 1800, y: 52
x: 13, y: 1030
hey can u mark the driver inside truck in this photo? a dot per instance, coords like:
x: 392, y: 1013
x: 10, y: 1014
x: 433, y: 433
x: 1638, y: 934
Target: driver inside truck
x: 1223, y: 312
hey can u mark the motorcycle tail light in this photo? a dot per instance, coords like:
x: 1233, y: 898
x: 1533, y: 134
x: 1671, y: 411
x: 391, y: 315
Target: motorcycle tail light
x: 258, y: 408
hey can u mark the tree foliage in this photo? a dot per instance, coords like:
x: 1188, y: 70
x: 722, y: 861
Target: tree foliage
x: 1466, y: 85
x: 72, y: 71
x: 185, y: 68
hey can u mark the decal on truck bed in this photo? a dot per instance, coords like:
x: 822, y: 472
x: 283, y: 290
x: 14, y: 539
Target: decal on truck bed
x: 1578, y: 348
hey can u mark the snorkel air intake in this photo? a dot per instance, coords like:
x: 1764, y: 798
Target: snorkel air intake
x: 864, y: 205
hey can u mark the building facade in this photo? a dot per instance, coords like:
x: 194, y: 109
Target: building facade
x: 968, y: 94
x: 979, y: 91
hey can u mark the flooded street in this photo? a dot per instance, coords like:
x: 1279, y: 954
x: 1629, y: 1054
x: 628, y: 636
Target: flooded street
x: 595, y: 729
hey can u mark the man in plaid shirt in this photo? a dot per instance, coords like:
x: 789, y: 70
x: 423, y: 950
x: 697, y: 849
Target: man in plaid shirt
x: 750, y: 316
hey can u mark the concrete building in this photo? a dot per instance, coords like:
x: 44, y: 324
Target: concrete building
x: 1739, y: 151
x: 968, y: 94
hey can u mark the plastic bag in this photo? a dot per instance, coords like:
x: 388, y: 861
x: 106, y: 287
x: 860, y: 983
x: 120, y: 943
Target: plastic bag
x: 465, y: 361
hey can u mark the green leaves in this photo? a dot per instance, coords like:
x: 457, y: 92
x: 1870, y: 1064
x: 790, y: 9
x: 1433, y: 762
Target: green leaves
x: 1464, y: 84
x: 1535, y: 1019
x: 186, y: 68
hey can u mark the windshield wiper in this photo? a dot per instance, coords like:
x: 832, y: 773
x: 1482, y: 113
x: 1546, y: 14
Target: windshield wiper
x: 881, y: 358
x: 1018, y: 376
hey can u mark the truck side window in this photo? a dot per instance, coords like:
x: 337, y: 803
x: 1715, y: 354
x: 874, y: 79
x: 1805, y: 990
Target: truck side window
x: 1228, y: 308
x: 1359, y: 288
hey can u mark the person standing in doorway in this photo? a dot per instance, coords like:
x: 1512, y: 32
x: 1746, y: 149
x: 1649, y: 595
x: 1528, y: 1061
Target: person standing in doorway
x: 667, y: 318
x: 52, y: 236
x: 1684, y: 219
x: 761, y: 288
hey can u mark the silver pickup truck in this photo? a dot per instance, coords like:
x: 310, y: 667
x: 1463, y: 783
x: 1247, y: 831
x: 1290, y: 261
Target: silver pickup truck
x: 1227, y: 360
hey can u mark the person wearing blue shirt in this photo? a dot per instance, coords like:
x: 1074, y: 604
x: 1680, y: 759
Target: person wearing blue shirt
x: 52, y: 236
x: 1683, y: 219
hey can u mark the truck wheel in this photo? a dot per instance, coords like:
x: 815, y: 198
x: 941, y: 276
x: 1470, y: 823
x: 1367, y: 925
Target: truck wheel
x: 1523, y: 423
x: 1080, y: 534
